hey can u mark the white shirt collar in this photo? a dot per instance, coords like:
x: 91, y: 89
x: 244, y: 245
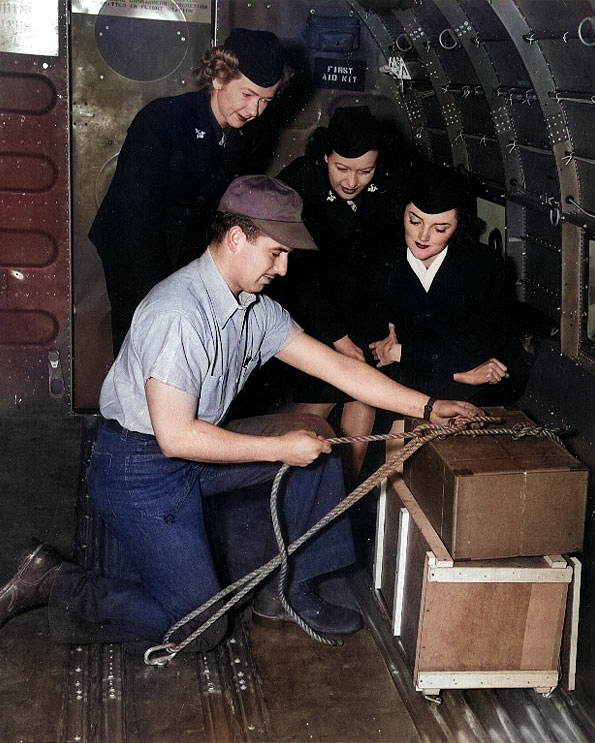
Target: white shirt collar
x: 426, y: 275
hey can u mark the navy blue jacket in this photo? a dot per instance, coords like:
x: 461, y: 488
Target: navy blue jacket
x: 330, y: 293
x: 462, y: 321
x: 171, y: 173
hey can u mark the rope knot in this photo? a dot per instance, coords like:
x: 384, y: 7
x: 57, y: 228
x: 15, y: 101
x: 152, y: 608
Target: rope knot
x: 521, y: 430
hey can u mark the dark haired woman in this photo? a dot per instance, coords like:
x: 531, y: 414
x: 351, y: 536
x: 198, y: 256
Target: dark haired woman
x: 350, y: 179
x: 447, y: 301
x: 179, y: 156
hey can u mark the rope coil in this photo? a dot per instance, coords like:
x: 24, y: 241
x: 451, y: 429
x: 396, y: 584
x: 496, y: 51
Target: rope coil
x: 161, y: 655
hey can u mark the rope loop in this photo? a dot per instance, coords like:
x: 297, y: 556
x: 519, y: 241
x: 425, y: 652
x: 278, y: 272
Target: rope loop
x: 284, y: 570
x: 152, y: 657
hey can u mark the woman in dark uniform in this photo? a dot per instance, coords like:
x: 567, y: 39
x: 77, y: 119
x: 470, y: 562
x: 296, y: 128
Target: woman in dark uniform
x: 350, y: 179
x: 447, y: 301
x: 179, y: 156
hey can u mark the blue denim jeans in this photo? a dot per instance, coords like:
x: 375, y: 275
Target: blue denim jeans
x: 152, y: 506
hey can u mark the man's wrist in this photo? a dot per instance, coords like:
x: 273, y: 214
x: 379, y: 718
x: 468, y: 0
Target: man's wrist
x: 428, y: 408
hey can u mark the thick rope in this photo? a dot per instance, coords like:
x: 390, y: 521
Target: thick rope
x: 162, y: 654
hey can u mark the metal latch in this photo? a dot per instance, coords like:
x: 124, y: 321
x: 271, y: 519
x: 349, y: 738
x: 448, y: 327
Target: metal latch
x: 55, y: 375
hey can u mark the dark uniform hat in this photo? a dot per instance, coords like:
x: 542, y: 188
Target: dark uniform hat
x: 436, y: 188
x: 259, y: 54
x: 273, y: 206
x: 353, y: 131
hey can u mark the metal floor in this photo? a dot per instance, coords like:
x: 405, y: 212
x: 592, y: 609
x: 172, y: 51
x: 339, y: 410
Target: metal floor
x: 259, y: 685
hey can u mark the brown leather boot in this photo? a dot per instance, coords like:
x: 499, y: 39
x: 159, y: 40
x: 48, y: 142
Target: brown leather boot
x: 31, y: 584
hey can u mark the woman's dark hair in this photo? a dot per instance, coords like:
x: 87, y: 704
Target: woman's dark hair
x: 436, y: 188
x: 392, y: 150
x: 318, y: 145
x: 469, y: 226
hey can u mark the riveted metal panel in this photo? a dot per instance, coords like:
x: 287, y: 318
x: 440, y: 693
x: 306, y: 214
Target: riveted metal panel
x: 124, y: 55
x: 35, y: 348
x: 485, y: 161
x: 542, y: 275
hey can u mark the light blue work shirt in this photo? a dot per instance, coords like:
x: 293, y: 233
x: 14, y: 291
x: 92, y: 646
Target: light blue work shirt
x: 192, y: 333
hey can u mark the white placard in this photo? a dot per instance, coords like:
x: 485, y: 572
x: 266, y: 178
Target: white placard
x: 29, y: 27
x: 193, y: 11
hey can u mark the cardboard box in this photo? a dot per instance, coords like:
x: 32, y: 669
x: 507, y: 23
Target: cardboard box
x: 469, y: 624
x: 498, y: 496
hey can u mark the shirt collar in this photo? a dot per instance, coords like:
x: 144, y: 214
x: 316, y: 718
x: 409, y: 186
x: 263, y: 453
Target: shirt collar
x: 426, y: 275
x: 221, y: 298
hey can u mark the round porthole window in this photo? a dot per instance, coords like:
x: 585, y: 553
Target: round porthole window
x: 142, y: 43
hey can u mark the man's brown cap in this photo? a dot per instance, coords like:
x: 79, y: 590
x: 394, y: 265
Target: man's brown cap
x: 273, y: 206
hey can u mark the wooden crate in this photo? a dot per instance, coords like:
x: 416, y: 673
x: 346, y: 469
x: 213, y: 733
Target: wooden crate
x: 468, y: 624
x: 497, y: 496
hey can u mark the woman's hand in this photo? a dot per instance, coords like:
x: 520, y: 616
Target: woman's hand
x: 490, y: 372
x: 388, y: 350
x: 348, y: 348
